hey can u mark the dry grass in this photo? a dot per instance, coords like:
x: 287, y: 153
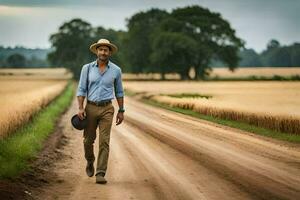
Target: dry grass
x: 35, y: 73
x: 271, y: 104
x: 225, y: 73
x: 22, y: 96
x: 255, y: 71
x: 149, y: 76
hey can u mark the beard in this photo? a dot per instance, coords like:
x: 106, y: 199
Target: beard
x: 103, y: 58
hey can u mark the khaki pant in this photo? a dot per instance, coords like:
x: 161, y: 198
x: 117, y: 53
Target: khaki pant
x: 98, y: 116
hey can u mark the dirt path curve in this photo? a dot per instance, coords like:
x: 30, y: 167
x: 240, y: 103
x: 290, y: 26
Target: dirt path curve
x: 157, y: 154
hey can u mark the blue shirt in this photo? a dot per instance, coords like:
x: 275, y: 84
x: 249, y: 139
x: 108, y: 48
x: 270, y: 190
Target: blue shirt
x: 102, y: 86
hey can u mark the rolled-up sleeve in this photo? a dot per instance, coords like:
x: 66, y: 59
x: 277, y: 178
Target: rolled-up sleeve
x: 119, y: 92
x: 82, y: 85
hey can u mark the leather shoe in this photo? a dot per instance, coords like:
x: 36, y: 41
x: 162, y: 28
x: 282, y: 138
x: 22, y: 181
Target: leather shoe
x: 100, y: 179
x: 90, y: 169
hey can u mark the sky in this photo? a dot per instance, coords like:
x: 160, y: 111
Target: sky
x: 29, y: 23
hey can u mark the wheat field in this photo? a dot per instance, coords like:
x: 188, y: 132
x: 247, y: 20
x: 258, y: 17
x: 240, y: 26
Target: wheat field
x: 35, y: 73
x: 255, y: 71
x: 271, y: 104
x: 23, y: 95
x: 241, y: 72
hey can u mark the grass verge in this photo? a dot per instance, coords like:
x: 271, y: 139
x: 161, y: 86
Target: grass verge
x: 235, y: 124
x: 26, y: 142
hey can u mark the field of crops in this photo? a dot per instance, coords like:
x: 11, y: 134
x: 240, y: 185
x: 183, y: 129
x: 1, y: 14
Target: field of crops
x: 244, y: 72
x: 255, y: 71
x: 271, y: 104
x: 35, y: 73
x: 24, y: 92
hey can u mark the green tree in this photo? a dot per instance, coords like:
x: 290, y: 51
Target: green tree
x: 2, y: 60
x: 138, y: 40
x: 173, y: 52
x: 37, y: 62
x: 275, y: 55
x: 16, y: 60
x: 249, y: 58
x: 71, y: 46
x: 295, y: 55
x: 213, y: 36
x: 273, y: 44
x: 280, y: 57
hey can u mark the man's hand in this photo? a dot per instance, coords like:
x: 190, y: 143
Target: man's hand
x: 120, y: 117
x: 81, y: 113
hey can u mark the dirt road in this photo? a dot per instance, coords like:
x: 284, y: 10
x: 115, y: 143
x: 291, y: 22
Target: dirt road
x: 157, y: 154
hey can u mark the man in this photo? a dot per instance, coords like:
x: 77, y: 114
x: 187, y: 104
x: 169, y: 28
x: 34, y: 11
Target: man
x: 99, y: 81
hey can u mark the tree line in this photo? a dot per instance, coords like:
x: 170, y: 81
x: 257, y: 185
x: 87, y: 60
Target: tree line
x: 275, y: 55
x: 20, y: 57
x: 156, y: 41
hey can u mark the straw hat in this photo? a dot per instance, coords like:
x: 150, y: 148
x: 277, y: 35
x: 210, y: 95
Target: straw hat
x: 104, y: 42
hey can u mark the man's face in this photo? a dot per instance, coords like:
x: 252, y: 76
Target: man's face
x: 103, y: 53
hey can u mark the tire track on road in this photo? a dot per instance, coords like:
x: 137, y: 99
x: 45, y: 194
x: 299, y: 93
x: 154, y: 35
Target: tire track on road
x: 254, y: 174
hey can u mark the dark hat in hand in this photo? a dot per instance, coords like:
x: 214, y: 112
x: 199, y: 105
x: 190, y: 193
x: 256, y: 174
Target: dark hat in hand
x: 78, y: 123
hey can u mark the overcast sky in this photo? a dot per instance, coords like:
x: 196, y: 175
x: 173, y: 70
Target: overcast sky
x: 30, y: 22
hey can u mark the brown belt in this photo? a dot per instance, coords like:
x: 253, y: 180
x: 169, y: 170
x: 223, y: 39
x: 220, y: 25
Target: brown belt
x: 99, y: 103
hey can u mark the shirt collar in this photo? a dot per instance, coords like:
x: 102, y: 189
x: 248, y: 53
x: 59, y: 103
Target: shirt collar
x: 95, y: 64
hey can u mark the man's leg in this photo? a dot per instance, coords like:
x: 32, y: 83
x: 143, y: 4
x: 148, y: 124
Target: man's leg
x: 89, y: 135
x: 104, y: 138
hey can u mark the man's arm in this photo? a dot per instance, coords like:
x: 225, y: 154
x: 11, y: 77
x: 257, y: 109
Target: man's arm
x: 120, y: 98
x: 81, y: 113
x: 120, y: 115
x: 120, y: 101
x: 82, y: 91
